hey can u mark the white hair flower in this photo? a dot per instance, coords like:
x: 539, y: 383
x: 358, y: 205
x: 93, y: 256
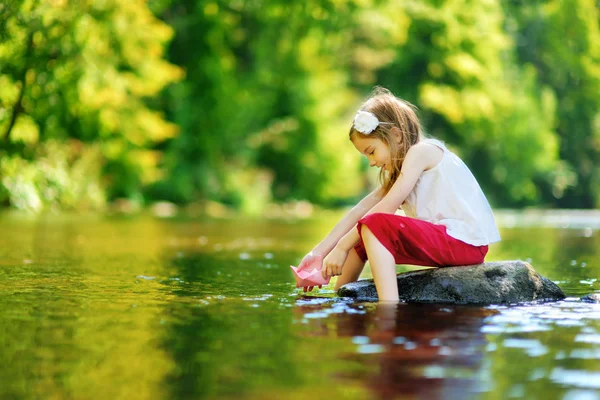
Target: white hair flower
x: 365, y: 122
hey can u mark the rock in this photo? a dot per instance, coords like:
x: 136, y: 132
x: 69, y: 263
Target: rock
x: 590, y: 298
x: 502, y: 282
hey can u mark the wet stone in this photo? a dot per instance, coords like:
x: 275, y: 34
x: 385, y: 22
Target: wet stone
x: 591, y: 298
x: 501, y: 282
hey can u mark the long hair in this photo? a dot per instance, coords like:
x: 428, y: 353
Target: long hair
x: 394, y: 113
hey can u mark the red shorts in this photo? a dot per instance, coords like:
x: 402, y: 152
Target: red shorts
x: 415, y: 242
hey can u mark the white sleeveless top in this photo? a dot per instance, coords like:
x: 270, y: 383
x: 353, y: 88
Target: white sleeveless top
x: 449, y: 195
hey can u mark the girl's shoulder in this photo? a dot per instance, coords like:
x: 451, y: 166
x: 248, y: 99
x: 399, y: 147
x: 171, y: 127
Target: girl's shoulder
x: 429, y: 151
x: 428, y: 147
x: 432, y: 142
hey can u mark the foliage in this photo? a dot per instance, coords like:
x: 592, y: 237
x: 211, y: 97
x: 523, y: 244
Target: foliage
x: 459, y: 67
x: 83, y: 70
x: 246, y: 105
x: 251, y: 101
x: 60, y: 176
x: 562, y: 40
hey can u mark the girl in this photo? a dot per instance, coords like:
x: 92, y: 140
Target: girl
x: 448, y: 220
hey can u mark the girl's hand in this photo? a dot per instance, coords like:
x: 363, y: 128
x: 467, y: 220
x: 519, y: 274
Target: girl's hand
x: 334, y: 262
x: 307, y: 261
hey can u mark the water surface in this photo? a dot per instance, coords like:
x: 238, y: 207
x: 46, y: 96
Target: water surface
x: 146, y: 308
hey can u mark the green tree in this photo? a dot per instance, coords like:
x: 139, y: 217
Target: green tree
x: 562, y: 40
x: 459, y: 67
x: 84, y: 71
x: 270, y: 92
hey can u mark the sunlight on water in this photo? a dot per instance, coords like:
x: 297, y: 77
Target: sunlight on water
x: 108, y: 307
x: 542, y: 317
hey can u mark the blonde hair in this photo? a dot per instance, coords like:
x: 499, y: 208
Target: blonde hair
x: 398, y: 120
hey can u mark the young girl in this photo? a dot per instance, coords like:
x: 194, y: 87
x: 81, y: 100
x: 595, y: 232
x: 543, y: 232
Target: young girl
x: 448, y: 220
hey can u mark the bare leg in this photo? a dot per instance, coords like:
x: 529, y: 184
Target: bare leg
x: 351, y: 269
x: 383, y: 267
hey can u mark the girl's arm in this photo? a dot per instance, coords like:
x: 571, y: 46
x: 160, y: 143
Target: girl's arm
x: 349, y: 221
x: 418, y: 159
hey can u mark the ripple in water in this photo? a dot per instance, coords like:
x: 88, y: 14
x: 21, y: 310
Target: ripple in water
x: 541, y: 317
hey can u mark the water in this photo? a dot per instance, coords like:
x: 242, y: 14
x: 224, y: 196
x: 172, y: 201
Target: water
x: 112, y: 307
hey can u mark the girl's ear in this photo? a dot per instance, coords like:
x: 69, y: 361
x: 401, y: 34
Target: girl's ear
x: 396, y: 133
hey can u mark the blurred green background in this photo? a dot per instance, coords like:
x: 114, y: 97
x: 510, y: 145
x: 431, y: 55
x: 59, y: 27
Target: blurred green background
x: 247, y: 103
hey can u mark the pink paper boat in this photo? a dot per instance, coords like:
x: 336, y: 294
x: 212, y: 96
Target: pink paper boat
x: 310, y: 277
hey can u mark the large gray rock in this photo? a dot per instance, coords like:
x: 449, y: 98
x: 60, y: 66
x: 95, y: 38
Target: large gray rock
x: 503, y: 282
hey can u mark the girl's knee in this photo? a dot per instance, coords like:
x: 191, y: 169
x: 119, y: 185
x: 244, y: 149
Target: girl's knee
x: 364, y: 230
x: 368, y: 237
x: 374, y: 218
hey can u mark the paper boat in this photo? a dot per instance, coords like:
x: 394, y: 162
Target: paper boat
x: 310, y: 276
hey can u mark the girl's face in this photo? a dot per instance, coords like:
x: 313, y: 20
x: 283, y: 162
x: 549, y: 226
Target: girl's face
x: 376, y: 151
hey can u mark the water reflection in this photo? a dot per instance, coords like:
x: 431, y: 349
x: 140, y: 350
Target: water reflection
x: 226, y: 341
x: 422, y: 351
x: 549, y: 348
x: 95, y: 307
